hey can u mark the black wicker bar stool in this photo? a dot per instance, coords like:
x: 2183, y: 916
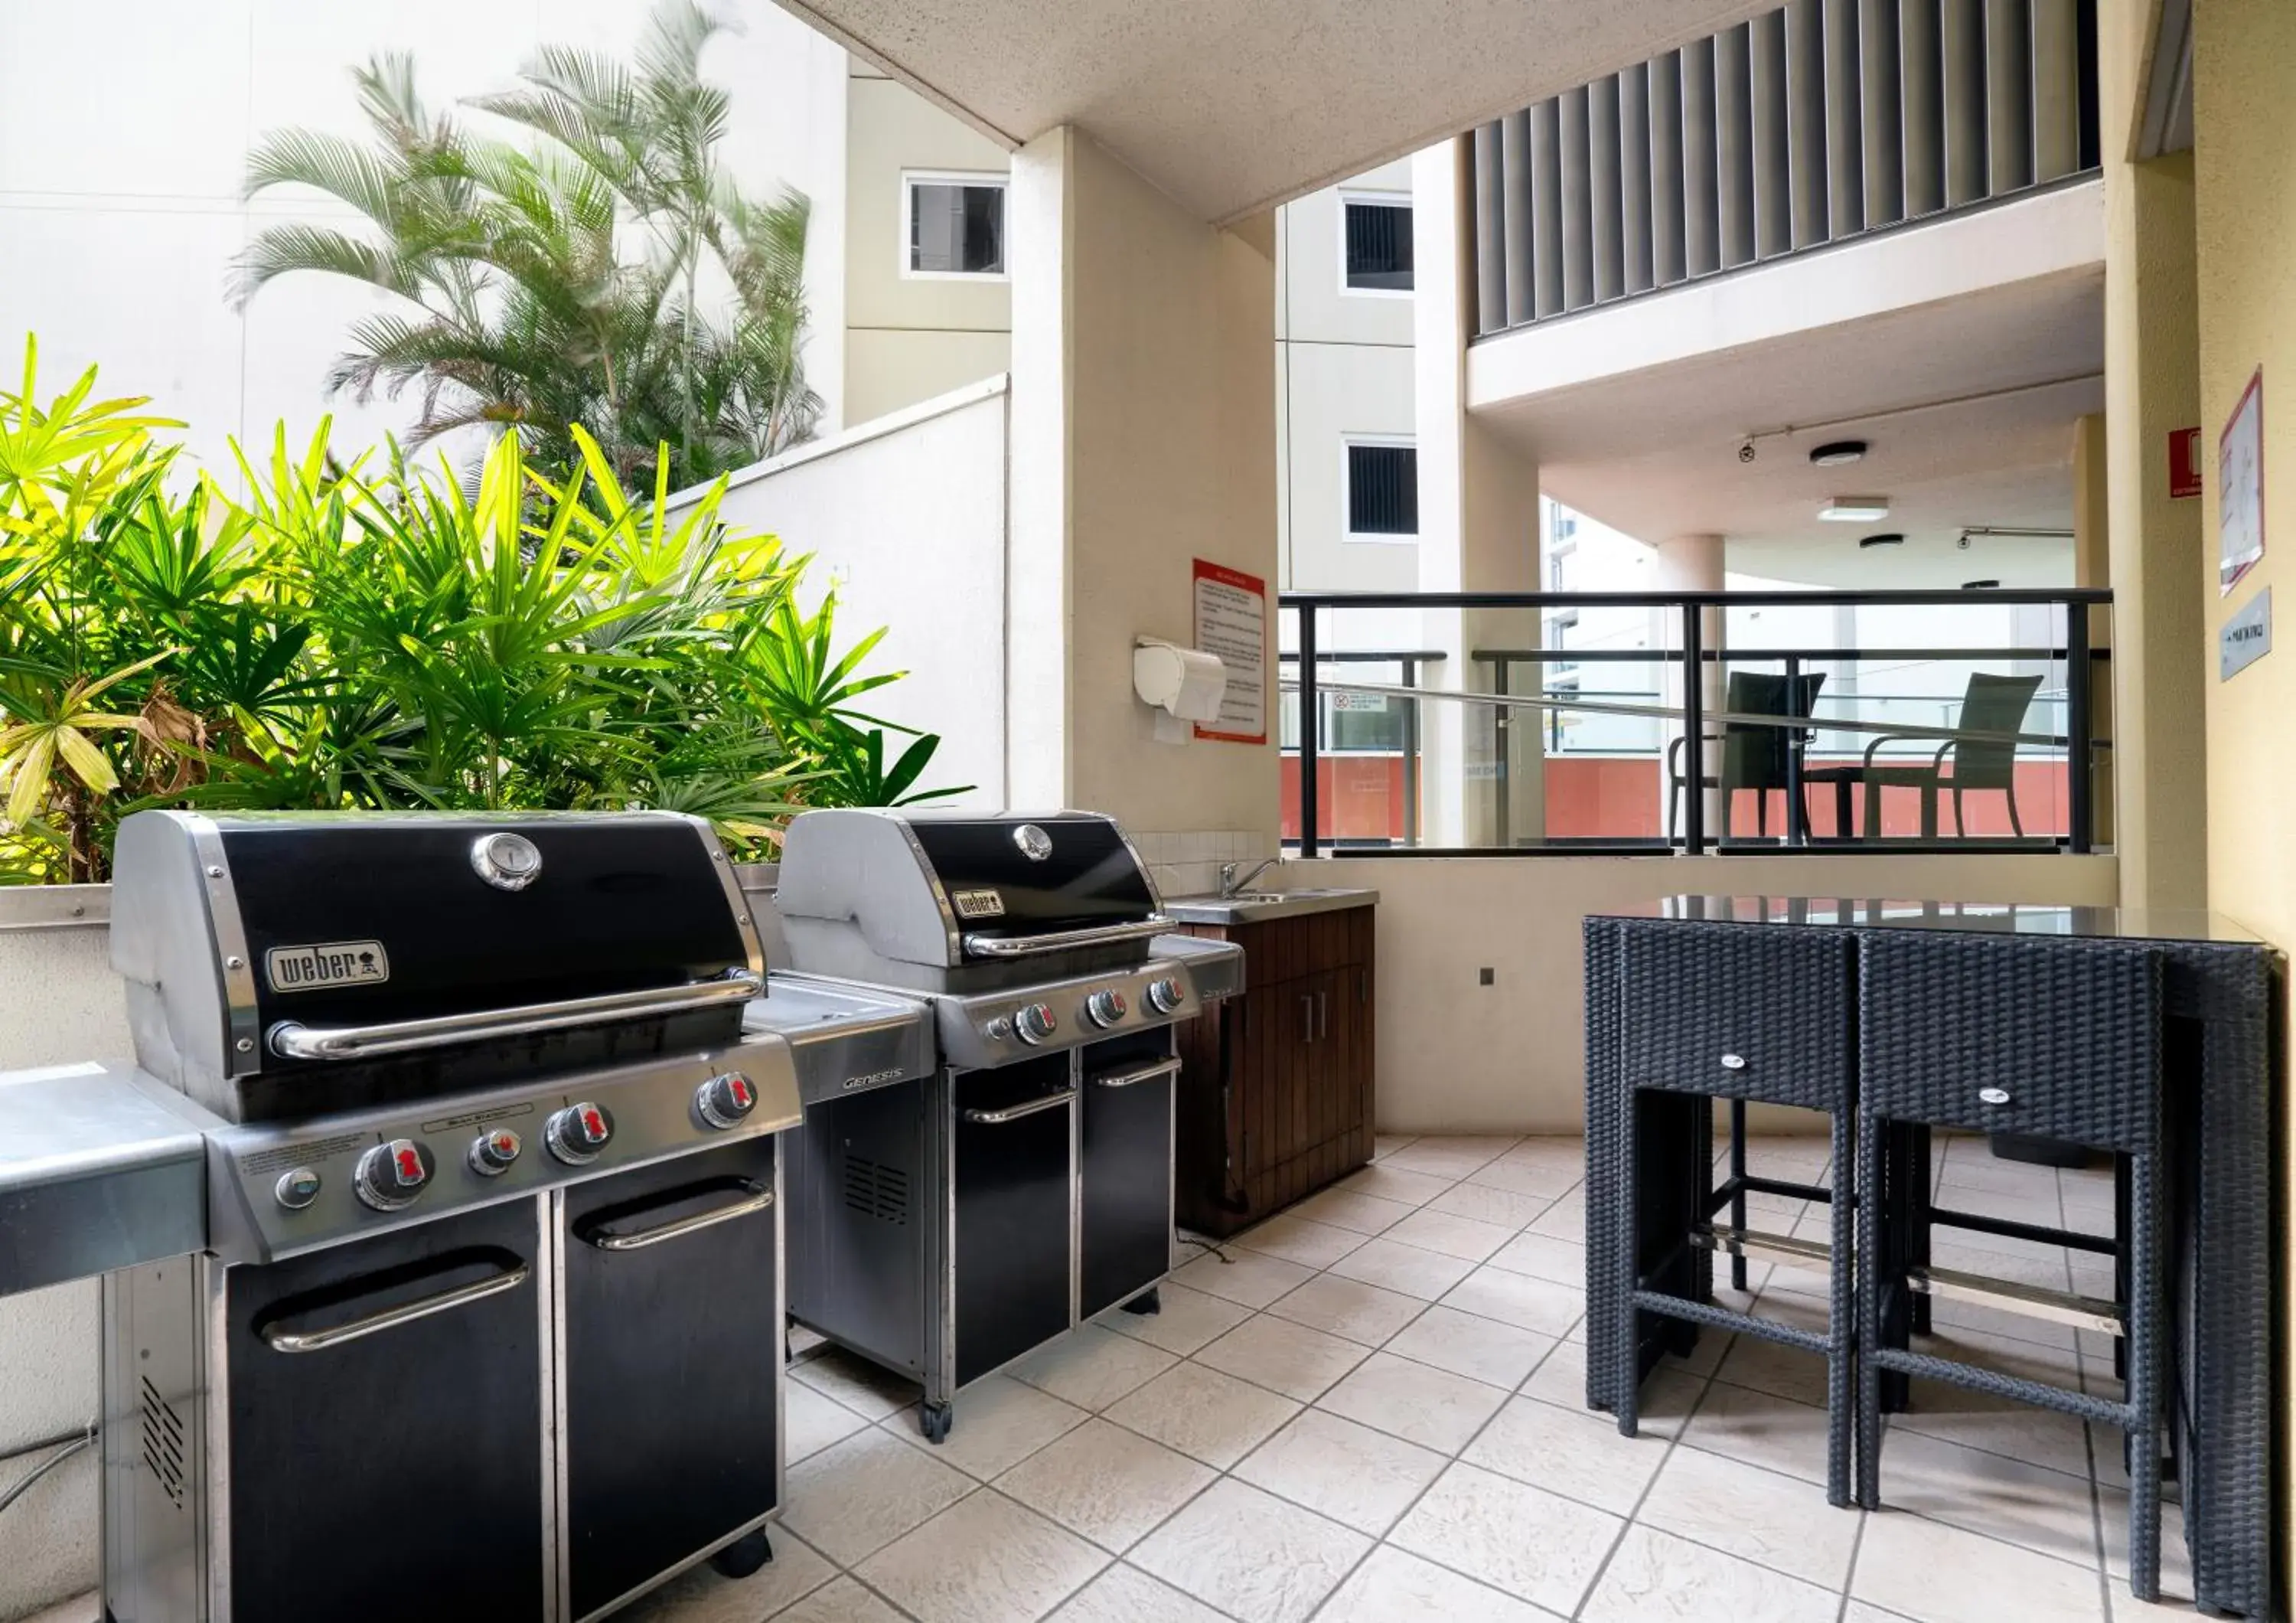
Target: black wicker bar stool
x: 2051, y: 1038
x: 1750, y: 1015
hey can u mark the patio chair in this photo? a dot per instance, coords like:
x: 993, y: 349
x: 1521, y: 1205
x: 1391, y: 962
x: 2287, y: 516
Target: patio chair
x: 1753, y: 757
x: 1990, y: 706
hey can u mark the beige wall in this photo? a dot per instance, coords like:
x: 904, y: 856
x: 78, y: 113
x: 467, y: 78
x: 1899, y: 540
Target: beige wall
x: 1143, y: 436
x: 2245, y: 206
x: 1455, y: 1056
x: 907, y: 338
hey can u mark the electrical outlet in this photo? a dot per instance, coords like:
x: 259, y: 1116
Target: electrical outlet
x: 1487, y: 976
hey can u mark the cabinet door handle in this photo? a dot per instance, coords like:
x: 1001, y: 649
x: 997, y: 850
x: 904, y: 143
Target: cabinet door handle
x: 1306, y: 1017
x: 1323, y: 1014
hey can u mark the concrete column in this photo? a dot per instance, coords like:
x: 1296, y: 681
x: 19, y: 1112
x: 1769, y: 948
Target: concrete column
x: 1143, y: 437
x: 1482, y: 781
x: 1691, y: 563
x: 2158, y: 563
x: 2093, y: 566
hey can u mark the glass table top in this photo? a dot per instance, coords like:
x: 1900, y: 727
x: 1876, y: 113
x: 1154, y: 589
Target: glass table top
x: 2000, y: 918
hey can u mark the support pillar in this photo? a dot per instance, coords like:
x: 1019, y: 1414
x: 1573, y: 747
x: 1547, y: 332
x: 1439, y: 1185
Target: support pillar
x: 1482, y: 778
x: 1692, y: 564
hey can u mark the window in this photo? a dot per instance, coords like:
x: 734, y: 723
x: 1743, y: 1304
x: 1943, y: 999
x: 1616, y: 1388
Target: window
x: 953, y: 225
x: 1382, y: 491
x: 1377, y: 245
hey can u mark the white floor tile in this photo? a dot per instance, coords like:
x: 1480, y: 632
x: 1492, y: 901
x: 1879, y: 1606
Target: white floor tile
x: 870, y: 1391
x: 1126, y: 1595
x: 1509, y: 1208
x: 1450, y: 1234
x: 1544, y: 1256
x: 1777, y: 1522
x: 1283, y: 1356
x: 1394, y: 1184
x: 842, y: 1602
x: 1936, y: 1574
x: 1578, y: 1455
x: 1344, y: 1209
x: 811, y: 1422
x: 856, y: 1496
x: 1110, y: 1485
x: 1349, y: 1308
x: 1449, y: 1157
x: 1394, y: 1587
x: 984, y: 1560
x: 1187, y: 1320
x: 1656, y: 1578
x: 999, y: 1422
x: 1406, y: 1270
x: 1358, y: 1477
x: 1481, y: 1525
x: 1091, y: 1369
x: 1256, y: 1557
x: 1740, y: 1423
x: 1550, y: 1308
x: 1298, y: 1240
x: 1430, y: 1407
x: 700, y: 1595
x: 1206, y: 1415
x: 1481, y: 1349
x: 1540, y: 1180
x: 1250, y: 1277
x: 1990, y: 1494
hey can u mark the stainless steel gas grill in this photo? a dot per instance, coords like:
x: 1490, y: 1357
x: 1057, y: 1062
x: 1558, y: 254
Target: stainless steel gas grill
x: 493, y: 1245
x: 947, y: 1227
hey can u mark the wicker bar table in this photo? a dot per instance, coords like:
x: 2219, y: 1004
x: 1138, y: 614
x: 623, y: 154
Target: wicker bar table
x: 2221, y: 989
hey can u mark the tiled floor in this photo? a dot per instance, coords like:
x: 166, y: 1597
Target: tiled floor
x: 1371, y: 1410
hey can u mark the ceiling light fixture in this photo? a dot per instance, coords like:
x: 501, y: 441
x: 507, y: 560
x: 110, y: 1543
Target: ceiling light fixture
x: 1836, y: 453
x: 1888, y: 537
x: 1979, y: 585
x: 1854, y: 510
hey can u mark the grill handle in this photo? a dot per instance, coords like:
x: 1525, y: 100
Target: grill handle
x: 335, y: 1335
x: 756, y: 1197
x: 1146, y: 1073
x: 292, y: 1040
x: 1013, y: 1113
x: 1062, y: 940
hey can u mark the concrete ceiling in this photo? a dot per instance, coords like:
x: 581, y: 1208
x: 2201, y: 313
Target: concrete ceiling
x: 1231, y: 106
x: 1967, y: 406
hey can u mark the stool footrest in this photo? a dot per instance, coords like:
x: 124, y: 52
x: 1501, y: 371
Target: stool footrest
x: 2040, y: 1393
x: 1753, y: 1242
x: 1725, y: 1318
x: 2031, y: 1301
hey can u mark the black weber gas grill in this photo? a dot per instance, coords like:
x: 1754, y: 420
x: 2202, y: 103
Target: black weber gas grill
x: 487, y: 1320
x: 947, y: 1227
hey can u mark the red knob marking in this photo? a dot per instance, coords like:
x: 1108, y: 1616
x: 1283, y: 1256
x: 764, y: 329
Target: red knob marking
x: 410, y: 1165
x: 741, y: 1092
x: 593, y: 1126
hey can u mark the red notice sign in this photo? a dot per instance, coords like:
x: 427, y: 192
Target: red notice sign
x: 2184, y: 462
x: 1231, y: 622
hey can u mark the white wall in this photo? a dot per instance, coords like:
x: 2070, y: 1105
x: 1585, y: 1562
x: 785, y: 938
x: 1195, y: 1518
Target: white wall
x: 124, y: 131
x: 905, y: 518
x: 1455, y: 1055
x: 62, y: 1003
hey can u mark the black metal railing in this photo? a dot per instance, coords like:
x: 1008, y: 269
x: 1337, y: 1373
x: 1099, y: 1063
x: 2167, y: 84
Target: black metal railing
x: 1315, y: 669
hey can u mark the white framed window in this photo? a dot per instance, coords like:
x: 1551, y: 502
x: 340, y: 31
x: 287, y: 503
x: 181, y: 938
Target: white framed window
x: 952, y: 226
x: 1375, y: 243
x: 1379, y: 488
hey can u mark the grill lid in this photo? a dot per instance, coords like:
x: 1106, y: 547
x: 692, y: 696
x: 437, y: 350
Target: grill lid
x: 264, y: 943
x: 946, y: 888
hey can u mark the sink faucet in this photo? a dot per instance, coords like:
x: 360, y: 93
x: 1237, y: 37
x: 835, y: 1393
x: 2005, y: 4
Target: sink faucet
x: 1232, y: 884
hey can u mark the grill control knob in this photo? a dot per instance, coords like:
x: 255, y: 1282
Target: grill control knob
x: 1166, y: 994
x: 389, y: 1176
x: 492, y: 1153
x: 297, y: 1188
x: 721, y: 1101
x: 1106, y: 1007
x: 1035, y: 1023
x: 577, y: 1134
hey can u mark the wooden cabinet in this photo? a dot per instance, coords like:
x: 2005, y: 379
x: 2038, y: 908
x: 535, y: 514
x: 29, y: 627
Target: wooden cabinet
x: 1275, y: 1098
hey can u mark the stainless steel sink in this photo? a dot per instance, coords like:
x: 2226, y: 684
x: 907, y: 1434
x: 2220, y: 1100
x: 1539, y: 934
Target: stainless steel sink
x: 1253, y: 906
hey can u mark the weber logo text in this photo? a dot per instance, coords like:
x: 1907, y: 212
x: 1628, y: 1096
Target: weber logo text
x: 336, y: 963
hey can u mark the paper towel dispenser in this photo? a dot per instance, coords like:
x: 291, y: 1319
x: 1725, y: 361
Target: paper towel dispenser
x: 1187, y: 683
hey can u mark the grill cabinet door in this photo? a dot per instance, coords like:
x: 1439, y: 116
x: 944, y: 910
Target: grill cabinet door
x: 673, y: 1367
x: 1013, y: 1212
x: 1126, y: 1181
x: 399, y: 1473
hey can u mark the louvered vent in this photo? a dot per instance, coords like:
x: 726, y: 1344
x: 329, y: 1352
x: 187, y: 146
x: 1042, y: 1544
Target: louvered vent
x: 876, y: 1189
x: 163, y: 1444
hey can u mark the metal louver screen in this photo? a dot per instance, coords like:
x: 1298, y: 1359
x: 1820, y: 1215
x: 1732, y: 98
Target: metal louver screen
x: 1379, y: 246
x: 163, y: 1444
x: 1382, y: 490
x: 1813, y: 123
x: 876, y: 1189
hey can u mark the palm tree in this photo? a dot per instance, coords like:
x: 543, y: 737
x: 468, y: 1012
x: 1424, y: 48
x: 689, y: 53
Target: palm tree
x: 563, y: 283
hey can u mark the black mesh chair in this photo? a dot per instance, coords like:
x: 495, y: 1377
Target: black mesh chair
x: 1754, y: 756
x: 1990, y: 706
x: 1992, y: 1036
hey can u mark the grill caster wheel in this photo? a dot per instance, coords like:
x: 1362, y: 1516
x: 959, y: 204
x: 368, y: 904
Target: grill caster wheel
x: 1148, y: 1301
x: 934, y: 1421
x: 744, y: 1555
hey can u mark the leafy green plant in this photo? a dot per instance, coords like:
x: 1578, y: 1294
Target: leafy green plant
x: 368, y: 637
x: 541, y: 289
